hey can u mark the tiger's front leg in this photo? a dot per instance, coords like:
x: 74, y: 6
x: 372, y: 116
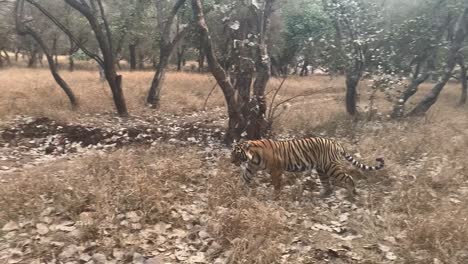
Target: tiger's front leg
x: 247, y: 173
x: 276, y: 180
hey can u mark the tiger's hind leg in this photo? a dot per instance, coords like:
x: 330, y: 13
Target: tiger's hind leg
x: 338, y: 177
x: 326, y: 186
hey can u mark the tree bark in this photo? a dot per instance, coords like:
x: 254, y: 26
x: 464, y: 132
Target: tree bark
x: 201, y: 58
x: 461, y: 29
x: 154, y: 94
x: 353, y: 76
x: 463, y: 80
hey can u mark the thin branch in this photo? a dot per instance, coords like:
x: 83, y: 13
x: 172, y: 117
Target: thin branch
x: 106, y: 24
x: 67, y: 32
x: 209, y: 94
x: 274, y: 96
x: 272, y: 117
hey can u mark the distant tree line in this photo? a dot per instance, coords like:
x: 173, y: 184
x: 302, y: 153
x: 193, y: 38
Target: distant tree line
x: 397, y: 44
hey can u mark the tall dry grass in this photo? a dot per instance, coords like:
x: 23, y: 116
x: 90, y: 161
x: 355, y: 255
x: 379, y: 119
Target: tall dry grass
x: 425, y: 157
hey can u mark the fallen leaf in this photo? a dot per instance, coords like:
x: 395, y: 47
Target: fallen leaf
x: 10, y: 226
x: 42, y: 229
x: 68, y: 252
x: 390, y: 256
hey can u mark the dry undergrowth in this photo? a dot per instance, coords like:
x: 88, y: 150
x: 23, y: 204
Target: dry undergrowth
x: 420, y: 198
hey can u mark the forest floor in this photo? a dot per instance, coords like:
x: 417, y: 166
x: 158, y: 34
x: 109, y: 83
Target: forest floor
x: 89, y: 187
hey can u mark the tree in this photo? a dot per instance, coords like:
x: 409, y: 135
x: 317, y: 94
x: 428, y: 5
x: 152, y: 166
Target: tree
x: 23, y: 29
x: 95, y: 15
x: 357, y: 26
x: 166, y: 48
x: 460, y: 32
x: 252, y: 121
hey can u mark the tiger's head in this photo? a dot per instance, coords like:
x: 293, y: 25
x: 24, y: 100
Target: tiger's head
x: 240, y: 153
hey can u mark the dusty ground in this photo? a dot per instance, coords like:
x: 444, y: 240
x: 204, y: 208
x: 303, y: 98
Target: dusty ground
x: 89, y: 187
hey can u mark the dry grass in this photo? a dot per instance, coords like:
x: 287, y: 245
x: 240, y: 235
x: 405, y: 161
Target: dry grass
x: 426, y: 167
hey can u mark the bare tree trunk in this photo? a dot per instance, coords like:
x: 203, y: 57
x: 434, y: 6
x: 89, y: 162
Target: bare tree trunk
x: 251, y: 117
x: 103, y: 36
x: 154, y: 94
x: 32, y: 62
x: 180, y: 57
x: 25, y: 30
x: 411, y: 89
x: 201, y: 59
x: 461, y: 29
x: 166, y: 48
x: 133, y: 59
x: 221, y: 76
x: 353, y: 76
x: 304, y: 70
x: 463, y: 80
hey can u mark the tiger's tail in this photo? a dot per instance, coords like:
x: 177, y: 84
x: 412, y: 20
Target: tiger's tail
x: 361, y: 166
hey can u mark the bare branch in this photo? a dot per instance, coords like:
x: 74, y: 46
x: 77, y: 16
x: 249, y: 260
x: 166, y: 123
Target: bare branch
x: 274, y: 96
x: 209, y: 94
x: 106, y: 24
x: 306, y: 94
x: 65, y: 30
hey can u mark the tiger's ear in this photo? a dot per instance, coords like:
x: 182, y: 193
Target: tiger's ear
x: 246, y: 145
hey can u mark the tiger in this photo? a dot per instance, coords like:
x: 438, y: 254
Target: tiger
x: 298, y: 155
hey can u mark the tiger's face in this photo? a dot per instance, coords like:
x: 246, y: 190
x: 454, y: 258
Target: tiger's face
x: 239, y: 153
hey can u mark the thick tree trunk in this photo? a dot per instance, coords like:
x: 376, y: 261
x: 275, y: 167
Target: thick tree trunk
x: 133, y: 59
x: 32, y: 62
x: 234, y: 116
x: 71, y: 63
x: 411, y: 89
x: 166, y: 48
x: 154, y: 94
x: 353, y: 76
x: 201, y: 59
x: 461, y: 29
x: 180, y: 58
x: 464, y: 81
x: 304, y: 70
